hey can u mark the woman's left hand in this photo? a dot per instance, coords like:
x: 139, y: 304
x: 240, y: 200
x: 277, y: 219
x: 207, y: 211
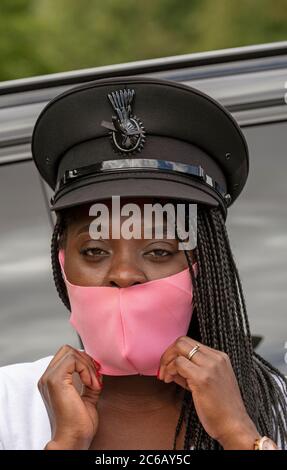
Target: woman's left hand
x: 215, y: 391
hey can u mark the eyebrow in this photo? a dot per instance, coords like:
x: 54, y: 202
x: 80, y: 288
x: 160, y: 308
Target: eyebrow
x: 83, y: 229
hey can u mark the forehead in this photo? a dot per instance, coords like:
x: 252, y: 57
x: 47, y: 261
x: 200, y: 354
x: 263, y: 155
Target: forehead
x: 81, y: 213
x: 137, y: 218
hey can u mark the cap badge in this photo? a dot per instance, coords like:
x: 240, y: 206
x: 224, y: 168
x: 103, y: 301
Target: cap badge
x: 126, y: 130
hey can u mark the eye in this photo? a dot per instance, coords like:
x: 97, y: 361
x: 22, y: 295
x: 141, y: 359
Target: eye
x: 92, y: 252
x: 159, y: 253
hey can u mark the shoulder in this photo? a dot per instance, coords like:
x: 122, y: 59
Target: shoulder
x: 24, y: 423
x: 24, y: 370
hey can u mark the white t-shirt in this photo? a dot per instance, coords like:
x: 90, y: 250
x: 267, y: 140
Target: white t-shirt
x: 24, y: 422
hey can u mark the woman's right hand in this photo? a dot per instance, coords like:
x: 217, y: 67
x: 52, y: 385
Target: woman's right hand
x: 73, y: 415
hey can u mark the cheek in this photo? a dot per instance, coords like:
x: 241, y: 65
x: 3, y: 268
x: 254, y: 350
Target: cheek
x: 179, y: 261
x: 81, y: 273
x: 182, y: 259
x: 158, y: 270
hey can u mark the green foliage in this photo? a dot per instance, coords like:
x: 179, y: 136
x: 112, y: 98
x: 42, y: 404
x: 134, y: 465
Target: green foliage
x: 46, y: 36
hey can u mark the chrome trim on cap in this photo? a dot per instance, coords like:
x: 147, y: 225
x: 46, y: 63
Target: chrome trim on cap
x: 142, y: 164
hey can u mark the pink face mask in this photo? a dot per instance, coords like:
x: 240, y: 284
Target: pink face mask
x: 128, y: 329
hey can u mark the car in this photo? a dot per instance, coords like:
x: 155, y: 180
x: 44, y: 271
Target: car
x: 252, y: 83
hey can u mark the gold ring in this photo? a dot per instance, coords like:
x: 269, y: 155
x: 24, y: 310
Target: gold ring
x: 193, y: 351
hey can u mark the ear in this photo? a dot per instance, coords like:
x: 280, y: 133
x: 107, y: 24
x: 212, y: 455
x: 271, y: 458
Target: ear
x: 61, y: 258
x: 61, y: 255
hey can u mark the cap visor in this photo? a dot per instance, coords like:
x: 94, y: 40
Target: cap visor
x: 136, y: 186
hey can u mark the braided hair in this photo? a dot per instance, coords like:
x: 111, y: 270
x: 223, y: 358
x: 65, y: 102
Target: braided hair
x: 219, y: 321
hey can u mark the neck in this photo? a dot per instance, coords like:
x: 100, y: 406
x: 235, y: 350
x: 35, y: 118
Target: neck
x: 137, y: 393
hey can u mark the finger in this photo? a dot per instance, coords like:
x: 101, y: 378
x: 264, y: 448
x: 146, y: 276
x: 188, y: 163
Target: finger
x: 204, y: 362
x: 70, y: 363
x: 191, y: 373
x: 66, y: 349
x: 57, y: 358
x: 181, y: 347
x: 63, y: 352
x: 95, y: 387
x: 60, y: 354
x: 86, y: 372
x: 177, y: 379
x: 90, y: 359
x: 93, y: 364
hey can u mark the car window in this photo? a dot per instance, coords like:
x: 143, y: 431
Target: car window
x: 33, y: 319
x: 258, y: 232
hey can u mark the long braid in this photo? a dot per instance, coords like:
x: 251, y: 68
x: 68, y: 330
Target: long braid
x: 58, y: 232
x: 180, y: 420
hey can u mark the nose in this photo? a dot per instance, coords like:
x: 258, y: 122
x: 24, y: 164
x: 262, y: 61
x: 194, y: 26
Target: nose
x: 125, y: 274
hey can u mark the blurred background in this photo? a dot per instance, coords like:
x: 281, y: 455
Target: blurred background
x: 39, y: 38
x: 44, y: 36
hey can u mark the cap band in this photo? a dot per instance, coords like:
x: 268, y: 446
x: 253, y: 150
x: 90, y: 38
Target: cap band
x: 121, y: 165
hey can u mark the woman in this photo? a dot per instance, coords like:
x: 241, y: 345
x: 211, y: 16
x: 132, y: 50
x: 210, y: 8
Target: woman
x: 211, y: 390
x: 214, y: 415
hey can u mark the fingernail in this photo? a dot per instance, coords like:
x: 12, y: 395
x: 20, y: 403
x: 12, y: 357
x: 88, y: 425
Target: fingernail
x: 158, y: 373
x: 100, y: 382
x: 95, y: 380
x: 97, y: 363
x: 99, y: 377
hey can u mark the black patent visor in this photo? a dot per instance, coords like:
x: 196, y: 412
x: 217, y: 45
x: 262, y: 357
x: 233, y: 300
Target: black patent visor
x: 128, y: 164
